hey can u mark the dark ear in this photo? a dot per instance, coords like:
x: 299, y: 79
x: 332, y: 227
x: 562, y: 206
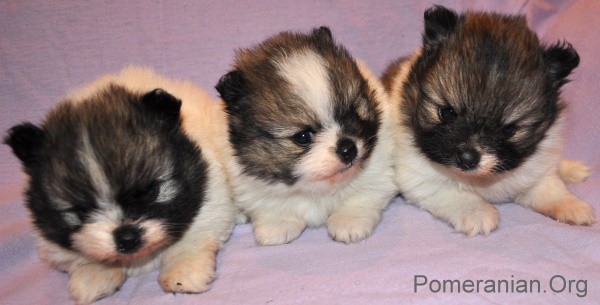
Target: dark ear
x: 232, y: 88
x: 560, y: 59
x: 26, y: 141
x: 162, y: 104
x: 323, y: 33
x: 440, y: 22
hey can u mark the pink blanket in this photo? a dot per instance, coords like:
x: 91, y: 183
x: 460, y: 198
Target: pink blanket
x: 48, y: 47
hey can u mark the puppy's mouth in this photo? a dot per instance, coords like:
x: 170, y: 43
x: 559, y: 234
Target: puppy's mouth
x: 147, y: 250
x: 475, y: 173
x: 341, y: 174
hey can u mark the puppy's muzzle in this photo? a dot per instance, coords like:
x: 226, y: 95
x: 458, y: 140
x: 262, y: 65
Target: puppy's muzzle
x: 128, y: 239
x: 467, y: 159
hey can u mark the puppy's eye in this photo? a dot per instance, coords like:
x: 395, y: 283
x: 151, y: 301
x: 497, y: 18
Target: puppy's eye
x: 509, y: 130
x: 149, y: 193
x: 304, y: 137
x: 446, y: 114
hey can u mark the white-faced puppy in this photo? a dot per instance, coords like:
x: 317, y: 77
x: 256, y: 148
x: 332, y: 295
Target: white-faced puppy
x: 124, y: 178
x: 312, y: 138
x: 479, y: 117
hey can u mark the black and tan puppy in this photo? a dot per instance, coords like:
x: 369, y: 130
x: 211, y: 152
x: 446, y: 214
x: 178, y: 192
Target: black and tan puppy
x: 479, y: 117
x: 311, y: 131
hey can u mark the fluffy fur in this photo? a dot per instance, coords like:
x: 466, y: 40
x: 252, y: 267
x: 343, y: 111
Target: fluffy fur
x: 125, y: 178
x: 479, y: 117
x: 310, y: 129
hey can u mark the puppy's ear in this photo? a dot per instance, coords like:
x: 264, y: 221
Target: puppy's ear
x: 323, y: 33
x: 27, y: 142
x: 440, y: 22
x: 561, y: 58
x: 232, y: 87
x: 162, y: 105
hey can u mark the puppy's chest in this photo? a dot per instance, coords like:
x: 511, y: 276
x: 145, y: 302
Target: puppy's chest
x: 505, y: 190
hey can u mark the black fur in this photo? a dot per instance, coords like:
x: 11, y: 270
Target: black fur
x: 132, y: 147
x: 261, y: 104
x: 162, y: 105
x: 26, y: 141
x: 232, y: 87
x: 496, y: 76
x: 439, y: 23
x: 561, y: 58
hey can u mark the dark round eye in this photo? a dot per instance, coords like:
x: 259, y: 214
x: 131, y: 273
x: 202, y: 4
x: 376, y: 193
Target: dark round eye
x: 446, y: 114
x: 304, y: 137
x: 509, y: 130
x: 149, y: 193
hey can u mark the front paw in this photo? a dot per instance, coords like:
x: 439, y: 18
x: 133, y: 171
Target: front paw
x: 277, y: 232
x: 349, y: 227
x: 571, y: 210
x: 92, y: 282
x: 571, y: 171
x: 477, y: 219
x: 188, y: 275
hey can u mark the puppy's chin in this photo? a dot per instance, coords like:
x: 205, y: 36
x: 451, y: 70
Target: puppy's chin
x: 95, y: 240
x: 338, y: 175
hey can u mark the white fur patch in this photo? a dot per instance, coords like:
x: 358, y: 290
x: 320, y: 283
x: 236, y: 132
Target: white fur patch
x: 71, y: 219
x: 307, y: 72
x: 95, y: 171
x: 168, y: 189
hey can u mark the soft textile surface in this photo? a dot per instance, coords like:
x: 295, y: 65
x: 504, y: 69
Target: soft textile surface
x: 46, y: 48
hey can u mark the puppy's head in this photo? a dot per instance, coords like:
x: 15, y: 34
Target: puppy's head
x: 112, y: 177
x: 484, y: 92
x: 300, y: 112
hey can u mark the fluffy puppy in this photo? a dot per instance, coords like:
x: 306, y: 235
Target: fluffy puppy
x: 479, y: 117
x: 311, y: 133
x: 124, y: 178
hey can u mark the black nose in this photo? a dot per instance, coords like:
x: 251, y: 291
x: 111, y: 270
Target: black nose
x: 468, y: 159
x: 128, y: 239
x: 346, y: 150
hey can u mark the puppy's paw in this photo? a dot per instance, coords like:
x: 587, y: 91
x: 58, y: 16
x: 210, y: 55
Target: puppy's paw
x: 188, y: 275
x: 571, y: 210
x: 92, y: 282
x: 348, y: 227
x: 476, y: 219
x: 277, y: 232
x: 571, y: 171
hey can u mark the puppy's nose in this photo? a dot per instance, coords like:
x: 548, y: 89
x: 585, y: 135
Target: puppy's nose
x: 468, y: 159
x: 128, y: 239
x: 346, y: 150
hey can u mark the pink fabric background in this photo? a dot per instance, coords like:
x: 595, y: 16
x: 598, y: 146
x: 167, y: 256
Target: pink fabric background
x: 48, y: 47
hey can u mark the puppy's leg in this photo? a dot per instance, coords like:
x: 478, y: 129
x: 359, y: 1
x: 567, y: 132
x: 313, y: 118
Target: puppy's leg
x: 92, y: 281
x: 188, y: 266
x: 466, y: 212
x: 551, y: 197
x: 272, y: 229
x: 572, y: 171
x: 356, y: 218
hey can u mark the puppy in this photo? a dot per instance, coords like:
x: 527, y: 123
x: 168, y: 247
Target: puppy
x: 124, y: 178
x: 311, y: 134
x: 479, y: 117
